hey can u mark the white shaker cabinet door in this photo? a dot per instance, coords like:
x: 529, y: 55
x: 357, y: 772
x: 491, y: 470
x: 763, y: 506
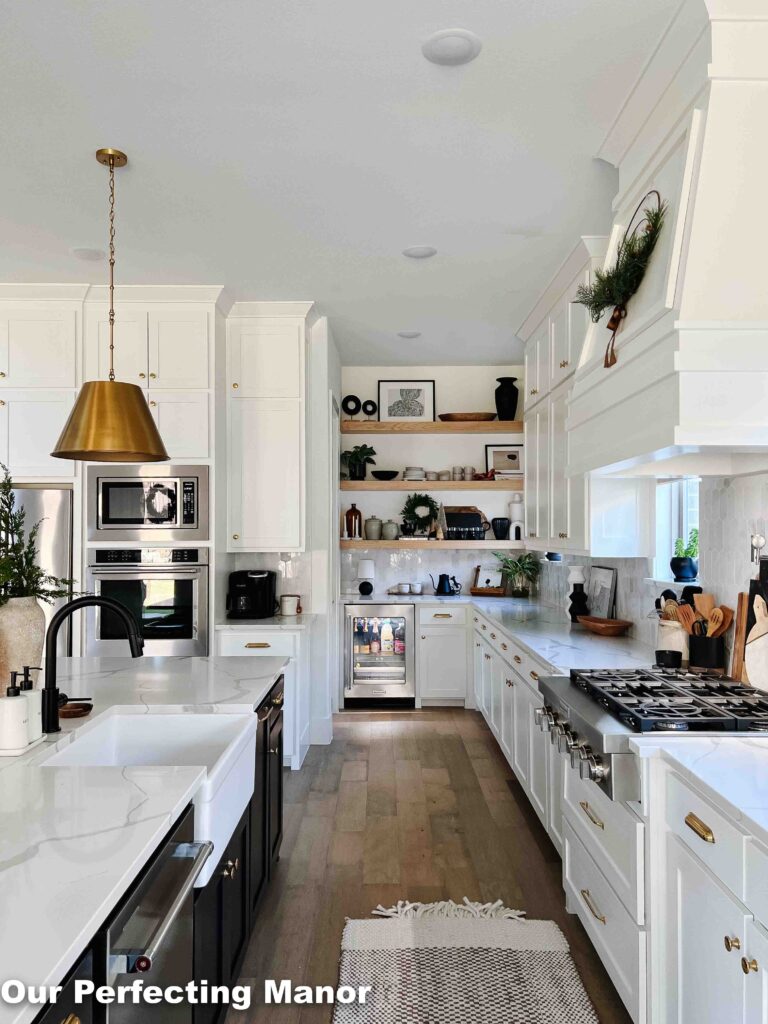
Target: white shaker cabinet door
x: 443, y: 663
x: 130, y: 344
x: 38, y: 348
x: 539, y: 743
x: 182, y: 419
x: 30, y: 425
x: 178, y: 348
x: 265, y: 475
x: 522, y: 738
x: 704, y: 979
x: 266, y: 357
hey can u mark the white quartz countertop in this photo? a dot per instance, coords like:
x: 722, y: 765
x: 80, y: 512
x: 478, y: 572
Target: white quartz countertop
x: 285, y: 622
x: 545, y: 631
x: 731, y: 771
x: 72, y: 840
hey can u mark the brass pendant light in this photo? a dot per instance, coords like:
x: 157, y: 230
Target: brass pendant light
x: 111, y: 421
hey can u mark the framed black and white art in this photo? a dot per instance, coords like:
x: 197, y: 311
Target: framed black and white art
x: 407, y: 400
x: 504, y: 459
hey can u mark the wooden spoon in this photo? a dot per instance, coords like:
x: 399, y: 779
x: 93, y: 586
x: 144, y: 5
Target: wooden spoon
x: 715, y: 621
x: 704, y: 603
x: 686, y: 616
x: 671, y: 611
x: 728, y: 614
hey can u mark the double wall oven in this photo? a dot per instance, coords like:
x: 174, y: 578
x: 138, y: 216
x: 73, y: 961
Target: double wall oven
x: 146, y: 527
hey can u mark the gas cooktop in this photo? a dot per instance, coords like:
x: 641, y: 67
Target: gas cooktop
x: 672, y: 700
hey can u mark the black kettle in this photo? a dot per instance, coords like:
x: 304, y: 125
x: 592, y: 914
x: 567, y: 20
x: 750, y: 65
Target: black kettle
x: 446, y: 585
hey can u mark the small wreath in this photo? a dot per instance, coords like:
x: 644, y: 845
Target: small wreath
x: 420, y: 510
x: 615, y: 287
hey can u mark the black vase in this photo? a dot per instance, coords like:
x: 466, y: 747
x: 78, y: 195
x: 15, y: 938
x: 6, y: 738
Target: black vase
x: 579, y: 604
x: 506, y: 395
x: 357, y: 470
x: 684, y: 569
x: 500, y: 528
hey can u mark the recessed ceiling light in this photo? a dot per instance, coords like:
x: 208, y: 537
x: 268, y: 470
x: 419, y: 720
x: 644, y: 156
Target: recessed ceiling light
x: 91, y: 255
x: 452, y: 46
x: 409, y: 334
x: 419, y: 252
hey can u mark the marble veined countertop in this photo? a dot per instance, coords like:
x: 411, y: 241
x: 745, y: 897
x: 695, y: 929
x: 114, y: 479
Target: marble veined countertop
x: 73, y: 839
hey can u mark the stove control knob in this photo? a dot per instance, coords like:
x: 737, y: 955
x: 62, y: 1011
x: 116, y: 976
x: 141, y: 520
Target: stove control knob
x: 579, y: 753
x: 538, y: 715
x: 558, y: 730
x: 566, y: 741
x: 593, y: 769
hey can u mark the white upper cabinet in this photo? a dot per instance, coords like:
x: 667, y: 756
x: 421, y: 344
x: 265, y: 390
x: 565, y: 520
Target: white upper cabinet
x: 266, y: 357
x: 30, y: 424
x: 178, y: 348
x: 38, y: 347
x: 183, y: 422
x: 164, y: 346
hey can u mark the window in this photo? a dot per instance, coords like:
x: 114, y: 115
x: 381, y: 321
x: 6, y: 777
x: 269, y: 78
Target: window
x: 677, y: 513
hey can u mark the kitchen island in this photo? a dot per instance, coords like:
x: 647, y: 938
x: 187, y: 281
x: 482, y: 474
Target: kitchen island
x: 74, y: 839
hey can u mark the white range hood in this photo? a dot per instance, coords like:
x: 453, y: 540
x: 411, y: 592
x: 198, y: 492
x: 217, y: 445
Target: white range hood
x: 689, y: 393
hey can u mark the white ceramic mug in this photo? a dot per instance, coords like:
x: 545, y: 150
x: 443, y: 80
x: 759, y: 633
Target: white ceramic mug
x: 416, y: 588
x: 289, y: 604
x: 403, y: 588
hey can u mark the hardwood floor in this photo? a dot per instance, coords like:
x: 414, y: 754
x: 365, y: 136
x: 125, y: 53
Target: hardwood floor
x: 403, y: 805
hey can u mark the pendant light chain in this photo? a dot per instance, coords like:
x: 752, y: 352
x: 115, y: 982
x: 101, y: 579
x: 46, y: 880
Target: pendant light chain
x: 111, y: 268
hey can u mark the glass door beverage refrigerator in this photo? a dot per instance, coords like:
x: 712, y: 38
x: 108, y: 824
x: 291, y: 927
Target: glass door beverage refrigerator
x: 379, y: 653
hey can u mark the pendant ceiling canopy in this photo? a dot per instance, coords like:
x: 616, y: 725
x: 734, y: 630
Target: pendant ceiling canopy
x: 111, y: 420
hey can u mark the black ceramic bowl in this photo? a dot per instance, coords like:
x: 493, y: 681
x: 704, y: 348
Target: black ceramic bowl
x: 384, y: 474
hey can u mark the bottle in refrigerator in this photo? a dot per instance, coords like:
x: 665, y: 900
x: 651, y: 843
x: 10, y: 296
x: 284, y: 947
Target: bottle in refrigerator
x: 399, y: 637
x: 375, y: 637
x: 358, y: 640
x: 387, y: 638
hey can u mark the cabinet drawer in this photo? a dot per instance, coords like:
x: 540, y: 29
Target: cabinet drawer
x: 612, y: 835
x: 619, y: 942
x: 442, y: 615
x: 714, y: 840
x: 281, y: 645
x: 756, y: 880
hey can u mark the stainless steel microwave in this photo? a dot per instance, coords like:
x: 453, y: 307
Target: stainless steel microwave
x: 147, y: 503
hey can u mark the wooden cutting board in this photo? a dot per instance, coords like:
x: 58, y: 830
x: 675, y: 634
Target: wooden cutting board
x: 756, y: 651
x: 739, y: 639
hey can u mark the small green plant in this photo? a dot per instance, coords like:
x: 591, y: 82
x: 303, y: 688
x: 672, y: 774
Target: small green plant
x: 689, y: 550
x: 357, y: 460
x: 420, y: 510
x: 521, y: 571
x: 20, y: 574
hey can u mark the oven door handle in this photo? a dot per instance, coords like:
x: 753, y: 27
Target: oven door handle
x: 140, y: 963
x: 142, y: 570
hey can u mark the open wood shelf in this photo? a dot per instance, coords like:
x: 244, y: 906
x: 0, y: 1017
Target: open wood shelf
x: 438, y: 427
x: 436, y: 545
x: 432, y: 485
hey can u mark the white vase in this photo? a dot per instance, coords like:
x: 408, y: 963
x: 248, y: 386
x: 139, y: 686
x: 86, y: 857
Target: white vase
x: 22, y: 635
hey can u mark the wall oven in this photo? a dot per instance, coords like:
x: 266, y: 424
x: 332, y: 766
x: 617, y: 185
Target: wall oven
x: 147, y: 503
x: 166, y: 589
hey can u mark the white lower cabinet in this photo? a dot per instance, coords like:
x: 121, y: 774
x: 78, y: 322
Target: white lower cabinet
x: 539, y: 745
x: 704, y: 980
x: 293, y: 644
x: 521, y: 753
x: 506, y: 735
x: 442, y: 663
x: 558, y: 764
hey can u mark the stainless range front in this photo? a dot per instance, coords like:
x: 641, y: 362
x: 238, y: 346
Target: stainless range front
x: 166, y: 589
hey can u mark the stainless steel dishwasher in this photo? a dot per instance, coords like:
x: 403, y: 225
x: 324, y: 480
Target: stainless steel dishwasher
x: 151, y: 934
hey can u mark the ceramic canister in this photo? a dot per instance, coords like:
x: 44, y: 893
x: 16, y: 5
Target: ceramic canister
x: 390, y: 530
x: 373, y: 528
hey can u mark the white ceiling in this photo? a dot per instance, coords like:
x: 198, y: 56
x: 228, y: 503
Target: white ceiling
x: 291, y: 150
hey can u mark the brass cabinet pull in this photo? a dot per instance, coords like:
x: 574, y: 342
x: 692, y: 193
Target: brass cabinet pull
x: 483, y: 626
x: 235, y: 536
x: 534, y: 676
x: 231, y: 868
x: 493, y: 636
x: 534, y: 391
x: 749, y: 965
x: 423, y: 637
x: 2, y: 403
x: 517, y: 659
x: 509, y: 683
x: 277, y: 701
x: 586, y: 895
x: 695, y: 824
x: 258, y: 646
x: 143, y: 376
x: 532, y: 533
x: 235, y: 386
x: 731, y: 942
x: 591, y: 814
x: 443, y: 615
x: 264, y: 715
x: 2, y: 374
x: 475, y: 619
x: 563, y: 363
x: 487, y: 657
x: 153, y: 404
x: 504, y: 647
x: 153, y: 376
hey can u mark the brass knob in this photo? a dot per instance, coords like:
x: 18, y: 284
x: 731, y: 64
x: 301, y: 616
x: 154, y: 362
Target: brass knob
x: 483, y: 626
x: 235, y: 386
x: 153, y: 404
x: 475, y: 619
x: 731, y: 943
x: 423, y: 637
x: 142, y: 375
x: 517, y: 659
x: 1, y: 373
x: 153, y: 376
x: 2, y: 403
x: 230, y: 869
x: 748, y: 965
x: 563, y: 363
x: 532, y: 533
x: 504, y: 647
x: 235, y: 536
x: 510, y: 683
x: 534, y: 676
x: 534, y: 391
x: 277, y: 701
x: 493, y: 636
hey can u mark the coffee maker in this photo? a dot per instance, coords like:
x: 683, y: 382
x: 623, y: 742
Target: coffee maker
x: 251, y: 594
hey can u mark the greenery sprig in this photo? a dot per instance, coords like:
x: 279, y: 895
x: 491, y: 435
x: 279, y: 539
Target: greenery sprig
x: 420, y: 510
x: 689, y: 550
x: 20, y: 574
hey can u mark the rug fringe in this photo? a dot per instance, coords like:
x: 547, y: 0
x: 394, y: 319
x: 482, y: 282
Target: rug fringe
x: 447, y: 908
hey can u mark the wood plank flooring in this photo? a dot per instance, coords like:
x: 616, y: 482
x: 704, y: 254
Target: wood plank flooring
x: 402, y: 805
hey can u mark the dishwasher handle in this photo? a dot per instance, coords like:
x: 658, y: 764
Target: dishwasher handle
x: 140, y: 963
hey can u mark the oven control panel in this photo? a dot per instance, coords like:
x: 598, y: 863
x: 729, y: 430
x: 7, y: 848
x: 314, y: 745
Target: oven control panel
x: 188, y: 489
x: 148, y: 556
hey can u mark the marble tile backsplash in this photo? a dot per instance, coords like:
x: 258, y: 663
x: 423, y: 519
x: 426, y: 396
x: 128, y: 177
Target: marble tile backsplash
x: 730, y: 510
x: 394, y: 567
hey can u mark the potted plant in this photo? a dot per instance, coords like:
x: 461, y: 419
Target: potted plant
x: 358, y: 460
x: 519, y: 572
x: 685, y: 562
x: 23, y: 584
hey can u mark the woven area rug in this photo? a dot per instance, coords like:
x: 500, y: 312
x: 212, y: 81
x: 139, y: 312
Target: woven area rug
x: 448, y: 963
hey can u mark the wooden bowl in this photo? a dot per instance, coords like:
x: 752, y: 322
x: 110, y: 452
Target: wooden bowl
x: 75, y: 709
x: 467, y: 417
x: 604, y: 627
